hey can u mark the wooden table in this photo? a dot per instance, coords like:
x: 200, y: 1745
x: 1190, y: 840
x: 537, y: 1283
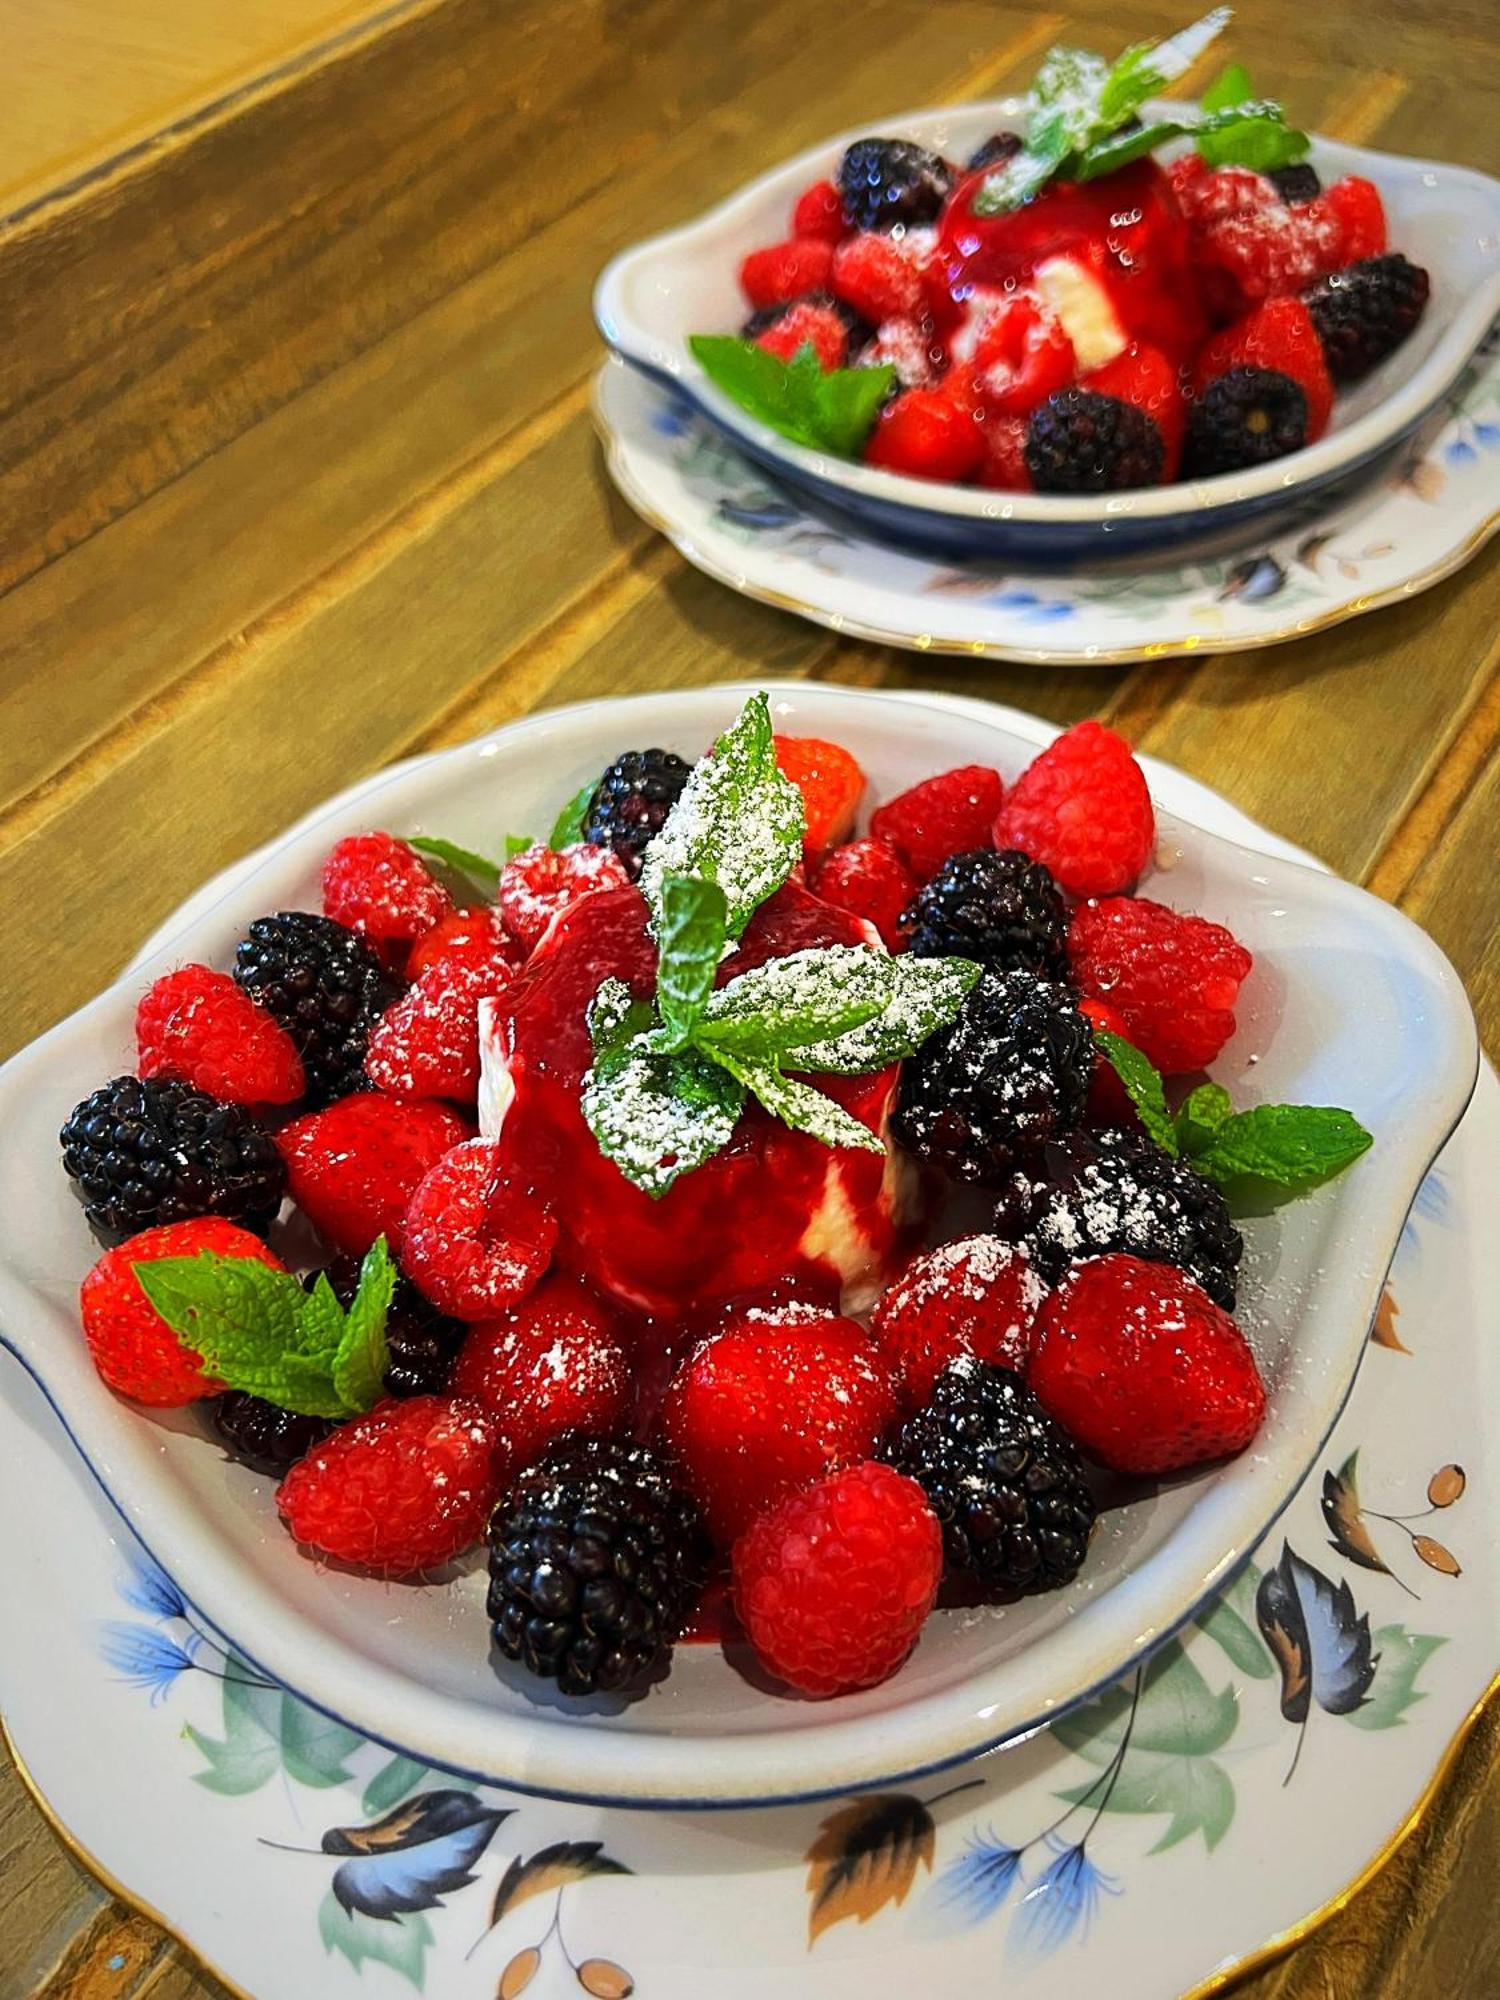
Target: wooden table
x: 297, y: 476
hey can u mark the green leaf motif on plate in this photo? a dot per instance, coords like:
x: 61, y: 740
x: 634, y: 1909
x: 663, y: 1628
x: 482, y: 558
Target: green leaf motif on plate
x: 1403, y: 1655
x: 401, y: 1942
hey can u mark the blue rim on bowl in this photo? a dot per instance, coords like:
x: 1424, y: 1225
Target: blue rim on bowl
x: 1352, y: 1004
x: 651, y: 297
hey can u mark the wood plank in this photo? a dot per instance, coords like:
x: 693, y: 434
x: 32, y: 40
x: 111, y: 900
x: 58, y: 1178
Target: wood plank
x: 43, y: 1881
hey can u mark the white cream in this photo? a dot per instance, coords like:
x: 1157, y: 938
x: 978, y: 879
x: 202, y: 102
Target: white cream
x: 1083, y: 307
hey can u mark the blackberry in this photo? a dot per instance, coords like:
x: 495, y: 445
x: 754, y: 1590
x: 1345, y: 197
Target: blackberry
x: 424, y: 1343
x: 596, y: 1560
x: 1007, y: 1485
x: 1362, y: 314
x: 263, y: 1435
x: 994, y: 905
x: 1245, y: 417
x: 1010, y: 1073
x: 890, y: 184
x: 856, y: 325
x: 1298, y: 183
x: 631, y: 803
x: 1091, y: 1193
x: 1081, y: 442
x: 326, y: 987
x: 996, y: 150
x: 141, y: 1152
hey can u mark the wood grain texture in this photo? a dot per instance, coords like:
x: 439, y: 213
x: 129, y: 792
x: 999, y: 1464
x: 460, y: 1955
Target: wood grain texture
x: 297, y: 476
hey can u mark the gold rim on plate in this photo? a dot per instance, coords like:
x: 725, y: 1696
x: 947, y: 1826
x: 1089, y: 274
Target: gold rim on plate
x: 1184, y: 646
x: 1255, y: 1961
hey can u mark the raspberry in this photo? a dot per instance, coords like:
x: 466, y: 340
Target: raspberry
x: 1109, y: 1100
x: 879, y: 276
x: 974, y: 1296
x: 327, y: 988
x: 376, y: 884
x: 784, y: 271
x: 928, y: 434
x: 353, y: 1167
x: 535, y: 885
x: 867, y: 878
x: 428, y: 1043
x: 1362, y: 314
x: 891, y: 183
x: 834, y: 1584
x: 1005, y: 455
x: 262, y: 1435
x: 831, y: 783
x: 1144, y: 1370
x: 1355, y: 212
x: 807, y: 325
x: 762, y: 1407
x: 133, y: 1348
x: 1143, y: 377
x: 1079, y: 441
x: 912, y: 347
x: 819, y: 212
x: 1010, y: 1072
x: 948, y: 814
x: 468, y: 937
x: 196, y: 1026
x: 140, y: 1152
x: 631, y: 803
x: 404, y: 1488
x: 555, y: 1363
x: 1021, y: 356
x: 1208, y: 196
x: 472, y: 1243
x: 993, y: 906
x: 1005, y: 1482
x: 1095, y: 1192
x: 1174, y: 978
x: 1245, y: 417
x: 1082, y: 808
x: 1279, y: 337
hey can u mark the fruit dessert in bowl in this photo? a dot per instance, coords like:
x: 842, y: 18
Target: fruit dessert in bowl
x: 798, y: 1275
x: 1082, y: 324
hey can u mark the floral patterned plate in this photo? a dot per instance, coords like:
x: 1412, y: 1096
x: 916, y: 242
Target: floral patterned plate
x: 1419, y: 520
x: 1189, y: 1822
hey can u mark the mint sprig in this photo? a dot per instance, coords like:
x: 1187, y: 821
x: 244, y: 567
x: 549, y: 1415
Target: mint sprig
x: 567, y: 828
x: 480, y: 870
x: 1286, y: 1147
x: 691, y: 930
x: 258, y: 1330
x: 831, y: 409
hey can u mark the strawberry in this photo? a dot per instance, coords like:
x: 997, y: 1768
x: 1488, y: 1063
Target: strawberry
x: 468, y: 937
x: 353, y: 1167
x: 1174, y: 979
x: 404, y: 1488
x: 763, y: 1407
x: 1279, y: 336
x: 1021, y: 355
x: 1140, y: 1366
x: 808, y: 324
x: 1357, y: 215
x: 831, y: 783
x: 879, y: 275
x: 949, y: 814
x: 819, y: 212
x: 427, y: 1044
x: 376, y: 884
x: 929, y: 434
x: 537, y: 884
x: 195, y: 1025
x: 1082, y: 808
x: 473, y: 1242
x: 869, y: 879
x: 132, y: 1346
x: 555, y: 1363
x: 977, y: 1295
x: 1005, y: 464
x: 784, y: 271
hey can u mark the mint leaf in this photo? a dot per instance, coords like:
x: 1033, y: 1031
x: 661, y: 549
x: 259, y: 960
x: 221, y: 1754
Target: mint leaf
x: 1201, y: 1117
x: 737, y: 822
x: 517, y: 843
x: 616, y: 1018
x: 567, y: 828
x: 925, y: 995
x: 799, y: 1105
x: 320, y: 1323
x: 1289, y: 1146
x: 1254, y: 135
x: 1232, y: 87
x: 363, y: 1353
x: 1167, y: 61
x: 660, y: 1116
x: 1143, y: 1086
x: 1108, y: 155
x: 826, y: 410
x: 243, y: 1319
x: 690, y: 932
x: 483, y: 873
x: 777, y: 1008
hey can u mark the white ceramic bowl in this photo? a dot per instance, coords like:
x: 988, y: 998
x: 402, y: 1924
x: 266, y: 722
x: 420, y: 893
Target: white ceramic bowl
x: 653, y: 296
x: 1348, y: 1004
